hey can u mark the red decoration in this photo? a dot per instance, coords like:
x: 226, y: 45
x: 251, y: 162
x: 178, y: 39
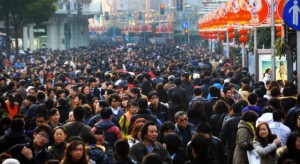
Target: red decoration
x: 231, y: 35
x: 230, y: 29
x: 278, y: 34
x: 243, y: 39
x: 243, y: 31
x: 222, y: 37
x: 222, y: 32
x: 278, y: 28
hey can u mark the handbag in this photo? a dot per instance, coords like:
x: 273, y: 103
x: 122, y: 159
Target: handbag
x: 253, y: 157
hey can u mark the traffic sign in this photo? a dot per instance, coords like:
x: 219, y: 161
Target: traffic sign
x: 184, y: 25
x: 291, y: 13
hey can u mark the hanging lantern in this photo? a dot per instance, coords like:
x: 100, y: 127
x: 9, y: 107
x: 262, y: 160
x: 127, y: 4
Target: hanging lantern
x: 222, y: 37
x: 243, y: 31
x: 243, y: 39
x: 278, y: 28
x: 230, y: 29
x: 278, y: 34
x: 231, y: 35
x: 222, y: 32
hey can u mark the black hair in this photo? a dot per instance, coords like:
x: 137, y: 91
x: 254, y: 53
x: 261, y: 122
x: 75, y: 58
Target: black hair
x: 252, y: 98
x: 278, y: 115
x: 17, y: 125
x: 105, y: 113
x: 249, y: 116
x: 237, y: 108
x: 151, y: 94
x: 78, y: 113
x: 45, y: 128
x: 144, y: 129
x: 88, y: 138
x: 197, y: 91
x: 122, y: 147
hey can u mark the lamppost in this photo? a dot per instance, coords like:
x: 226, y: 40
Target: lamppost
x: 188, y: 19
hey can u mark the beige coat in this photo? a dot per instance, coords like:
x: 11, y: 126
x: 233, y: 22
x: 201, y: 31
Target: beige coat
x: 244, y: 141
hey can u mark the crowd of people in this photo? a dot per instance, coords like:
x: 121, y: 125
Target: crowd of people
x: 143, y: 103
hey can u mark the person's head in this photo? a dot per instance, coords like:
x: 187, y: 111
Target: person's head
x: 252, y: 98
x: 42, y: 118
x: 88, y: 138
x: 143, y: 103
x: 106, y: 113
x: 149, y: 132
x: 197, y: 92
x: 40, y: 96
x: 29, y: 100
x: 133, y: 107
x: 200, y: 146
x: 78, y: 113
x: 152, y: 158
x: 181, y: 119
x: 227, y: 92
x: 214, y: 92
x: 173, y: 142
x: 287, y: 91
x: 275, y: 103
x: 153, y: 97
x: 75, y: 152
x: 41, y: 135
x: 135, y: 92
x: 71, y: 116
x: 268, y: 71
x: 204, y: 129
x: 114, y: 100
x: 278, y: 115
x: 166, y: 128
x: 54, y: 115
x: 221, y: 107
x: 121, y: 148
x: 250, y: 116
x: 268, y: 109
x: 80, y: 99
x: 99, y: 136
x: 293, y: 143
x: 263, y: 132
x: 136, y: 131
x: 101, y: 105
x: 60, y: 134
x: 178, y: 82
x: 237, y: 108
x: 275, y: 92
x: 17, y: 125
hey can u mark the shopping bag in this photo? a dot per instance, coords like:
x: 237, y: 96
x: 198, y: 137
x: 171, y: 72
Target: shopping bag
x: 253, y: 157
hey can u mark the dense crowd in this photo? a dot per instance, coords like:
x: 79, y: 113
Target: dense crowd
x: 143, y: 103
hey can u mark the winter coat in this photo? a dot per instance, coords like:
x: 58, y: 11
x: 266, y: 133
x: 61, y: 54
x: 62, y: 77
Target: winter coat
x: 57, y: 150
x: 244, y: 142
x: 228, y: 133
x: 76, y: 128
x: 265, y: 153
x: 12, y: 138
x: 161, y: 112
x: 139, y: 151
x: 112, y: 132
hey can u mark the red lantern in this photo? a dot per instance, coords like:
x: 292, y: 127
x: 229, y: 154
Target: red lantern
x: 231, y: 35
x: 278, y: 28
x: 243, y: 31
x: 230, y: 29
x: 243, y: 39
x: 278, y: 34
x: 222, y: 37
x: 222, y: 32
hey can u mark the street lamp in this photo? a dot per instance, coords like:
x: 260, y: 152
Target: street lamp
x: 188, y: 17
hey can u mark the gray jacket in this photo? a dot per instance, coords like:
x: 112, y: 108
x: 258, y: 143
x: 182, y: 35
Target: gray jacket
x: 265, y: 153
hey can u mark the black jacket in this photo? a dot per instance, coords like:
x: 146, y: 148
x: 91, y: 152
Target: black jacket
x: 38, y: 158
x: 12, y: 138
x: 228, y: 133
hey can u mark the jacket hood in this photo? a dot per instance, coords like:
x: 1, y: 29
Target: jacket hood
x: 104, y: 124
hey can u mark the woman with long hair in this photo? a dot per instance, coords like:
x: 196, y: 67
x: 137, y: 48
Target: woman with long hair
x: 290, y: 152
x: 75, y: 153
x: 265, y: 143
x: 12, y: 106
x: 60, y: 144
x: 221, y: 110
x: 85, y: 90
x: 197, y: 114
